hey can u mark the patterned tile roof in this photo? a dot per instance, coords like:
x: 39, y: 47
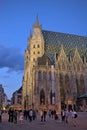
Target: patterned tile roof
x: 54, y: 40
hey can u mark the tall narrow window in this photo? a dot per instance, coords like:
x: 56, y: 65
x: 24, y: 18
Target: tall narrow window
x: 34, y: 52
x: 33, y: 46
x: 42, y: 97
x: 39, y: 75
x: 44, y: 75
x: 38, y: 46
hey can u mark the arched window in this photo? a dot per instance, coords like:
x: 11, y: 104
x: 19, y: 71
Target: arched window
x: 38, y: 52
x: 44, y: 75
x: 52, y: 98
x: 39, y: 75
x: 33, y: 46
x: 33, y: 59
x: 42, y: 97
x: 34, y: 52
x: 38, y: 46
x: 63, y: 66
x: 67, y: 84
x: 59, y: 66
x: 49, y: 75
x: 62, y: 93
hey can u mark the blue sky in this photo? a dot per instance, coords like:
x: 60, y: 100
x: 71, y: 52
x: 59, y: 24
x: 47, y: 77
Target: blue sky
x: 16, y: 20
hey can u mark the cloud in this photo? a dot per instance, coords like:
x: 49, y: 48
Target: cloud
x: 12, y: 58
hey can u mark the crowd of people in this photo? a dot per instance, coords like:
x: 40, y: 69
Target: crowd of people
x: 15, y: 115
x: 31, y: 115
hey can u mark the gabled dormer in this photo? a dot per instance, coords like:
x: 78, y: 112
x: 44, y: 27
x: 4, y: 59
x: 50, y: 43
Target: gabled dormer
x: 62, y: 60
x: 77, y: 59
x: 62, y: 56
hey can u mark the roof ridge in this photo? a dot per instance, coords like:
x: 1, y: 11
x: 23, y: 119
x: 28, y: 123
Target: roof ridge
x: 64, y: 33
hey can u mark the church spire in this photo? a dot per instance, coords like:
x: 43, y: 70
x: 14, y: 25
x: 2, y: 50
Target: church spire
x: 37, y: 23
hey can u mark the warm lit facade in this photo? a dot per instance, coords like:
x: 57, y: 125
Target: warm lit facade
x: 55, y: 72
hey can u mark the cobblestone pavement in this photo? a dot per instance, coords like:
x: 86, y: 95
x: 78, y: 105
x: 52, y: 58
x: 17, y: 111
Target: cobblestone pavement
x: 50, y: 124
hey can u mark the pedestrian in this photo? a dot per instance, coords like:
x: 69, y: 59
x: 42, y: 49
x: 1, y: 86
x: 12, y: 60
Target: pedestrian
x: 34, y: 114
x: 52, y: 113
x: 41, y: 115
x: 56, y: 116
x: 63, y: 115
x: 10, y: 112
x: 49, y: 113
x: 15, y: 116
x: 66, y: 116
x: 21, y: 117
x: 30, y: 114
x: 44, y: 115
x: 74, y: 117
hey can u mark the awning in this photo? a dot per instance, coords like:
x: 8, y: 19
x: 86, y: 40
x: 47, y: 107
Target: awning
x: 83, y: 96
x: 16, y: 107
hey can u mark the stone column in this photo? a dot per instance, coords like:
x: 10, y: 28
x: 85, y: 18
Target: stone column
x: 53, y: 84
x: 57, y: 93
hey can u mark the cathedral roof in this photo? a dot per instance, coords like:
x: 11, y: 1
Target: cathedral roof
x: 54, y: 40
x: 44, y: 60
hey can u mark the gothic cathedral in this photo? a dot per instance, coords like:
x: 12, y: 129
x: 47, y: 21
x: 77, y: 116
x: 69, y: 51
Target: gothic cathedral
x: 55, y: 71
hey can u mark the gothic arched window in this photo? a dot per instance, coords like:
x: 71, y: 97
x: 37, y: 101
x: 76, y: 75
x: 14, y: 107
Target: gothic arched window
x: 50, y: 75
x: 33, y: 46
x: 62, y: 93
x: 39, y: 75
x: 44, y: 75
x: 67, y: 84
x: 42, y: 97
x: 38, y: 46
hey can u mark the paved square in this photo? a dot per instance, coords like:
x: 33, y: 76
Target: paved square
x: 50, y: 124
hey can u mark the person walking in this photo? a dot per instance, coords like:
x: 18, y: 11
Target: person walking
x: 21, y: 117
x: 30, y: 114
x: 44, y: 115
x: 74, y: 118
x: 66, y: 116
x: 63, y: 115
x: 41, y: 115
x: 15, y: 116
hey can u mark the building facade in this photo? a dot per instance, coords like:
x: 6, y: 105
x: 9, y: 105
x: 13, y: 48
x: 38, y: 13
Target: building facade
x: 17, y: 97
x: 55, y: 71
x: 3, y: 97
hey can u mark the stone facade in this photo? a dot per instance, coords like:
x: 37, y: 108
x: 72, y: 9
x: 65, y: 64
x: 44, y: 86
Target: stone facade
x: 55, y: 72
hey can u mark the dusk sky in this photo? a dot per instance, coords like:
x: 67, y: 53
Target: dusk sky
x: 16, y: 20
